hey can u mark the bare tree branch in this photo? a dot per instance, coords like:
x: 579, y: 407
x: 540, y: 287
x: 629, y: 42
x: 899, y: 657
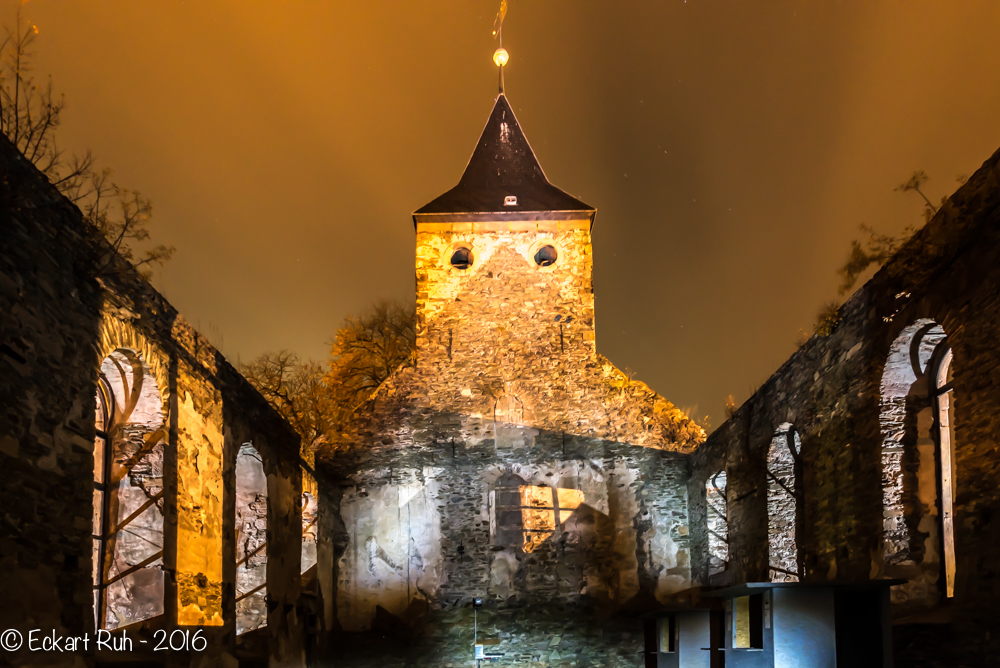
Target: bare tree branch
x: 30, y: 114
x: 366, y: 350
x: 878, y: 248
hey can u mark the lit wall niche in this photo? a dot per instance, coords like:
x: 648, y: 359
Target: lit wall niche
x: 718, y: 524
x: 251, y: 541
x: 199, y: 502
x: 917, y: 418
x: 526, y: 515
x: 128, y: 493
x: 782, y: 549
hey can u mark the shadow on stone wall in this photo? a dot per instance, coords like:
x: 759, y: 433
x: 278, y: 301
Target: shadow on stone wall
x: 426, y: 522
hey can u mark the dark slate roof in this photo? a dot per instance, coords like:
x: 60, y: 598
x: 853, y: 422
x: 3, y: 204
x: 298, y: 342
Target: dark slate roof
x: 503, y: 165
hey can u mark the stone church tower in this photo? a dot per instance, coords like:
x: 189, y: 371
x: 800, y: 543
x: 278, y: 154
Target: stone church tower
x: 505, y: 283
x: 505, y: 300
x: 510, y: 461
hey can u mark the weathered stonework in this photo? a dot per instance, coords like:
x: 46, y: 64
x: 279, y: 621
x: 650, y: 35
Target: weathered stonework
x: 508, y: 461
x: 61, y: 326
x: 783, y: 562
x: 869, y: 484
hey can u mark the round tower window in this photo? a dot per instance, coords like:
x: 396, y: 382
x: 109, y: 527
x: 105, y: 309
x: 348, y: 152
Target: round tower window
x: 461, y: 258
x: 546, y: 255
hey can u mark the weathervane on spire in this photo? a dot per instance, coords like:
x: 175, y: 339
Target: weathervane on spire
x: 500, y: 56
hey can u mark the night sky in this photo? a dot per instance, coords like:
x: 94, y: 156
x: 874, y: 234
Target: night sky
x: 731, y: 149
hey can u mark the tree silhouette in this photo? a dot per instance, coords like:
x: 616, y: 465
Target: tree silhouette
x: 365, y: 351
x: 30, y: 114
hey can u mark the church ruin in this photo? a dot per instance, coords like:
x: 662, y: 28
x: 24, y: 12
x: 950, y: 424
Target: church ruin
x: 509, y: 496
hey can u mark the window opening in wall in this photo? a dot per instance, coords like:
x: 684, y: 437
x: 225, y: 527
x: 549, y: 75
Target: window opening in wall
x: 310, y: 513
x: 945, y: 429
x: 525, y: 516
x: 659, y: 637
x: 917, y: 419
x: 128, y: 493
x: 508, y: 409
x: 718, y: 524
x: 251, y: 540
x: 461, y: 258
x: 668, y: 634
x: 782, y: 494
x: 748, y: 622
x: 546, y: 255
x: 104, y: 416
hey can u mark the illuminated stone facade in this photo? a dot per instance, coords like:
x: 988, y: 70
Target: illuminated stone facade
x: 509, y: 461
x: 148, y: 486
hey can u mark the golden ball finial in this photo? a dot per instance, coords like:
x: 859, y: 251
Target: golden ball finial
x: 500, y: 57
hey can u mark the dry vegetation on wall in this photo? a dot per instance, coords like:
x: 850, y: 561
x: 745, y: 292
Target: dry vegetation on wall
x: 30, y: 115
x: 864, y: 255
x: 909, y: 371
x: 875, y: 251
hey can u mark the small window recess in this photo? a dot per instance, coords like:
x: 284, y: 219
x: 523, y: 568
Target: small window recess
x: 510, y: 200
x: 748, y: 622
x: 668, y: 635
x: 546, y: 256
x: 462, y: 258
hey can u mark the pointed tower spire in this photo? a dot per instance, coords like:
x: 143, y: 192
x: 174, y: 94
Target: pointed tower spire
x: 503, y: 181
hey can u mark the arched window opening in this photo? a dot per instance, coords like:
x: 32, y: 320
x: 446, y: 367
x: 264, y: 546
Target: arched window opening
x: 506, y: 526
x: 918, y: 481
x: 128, y: 493
x: 718, y: 523
x: 782, y: 494
x: 509, y: 409
x: 251, y: 541
x: 944, y: 408
x: 310, y: 514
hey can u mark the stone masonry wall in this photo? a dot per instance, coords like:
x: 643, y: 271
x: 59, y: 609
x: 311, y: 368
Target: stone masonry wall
x: 861, y: 477
x: 62, y: 314
x: 416, y: 541
x: 507, y: 396
x: 508, y: 327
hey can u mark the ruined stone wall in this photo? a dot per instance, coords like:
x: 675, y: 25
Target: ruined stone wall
x: 416, y: 542
x: 49, y: 319
x: 510, y: 462
x: 866, y: 506
x: 66, y: 305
